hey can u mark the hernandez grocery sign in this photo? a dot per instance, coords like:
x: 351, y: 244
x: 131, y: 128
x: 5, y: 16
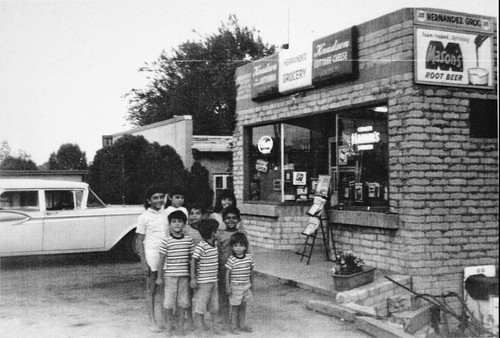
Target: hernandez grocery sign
x: 453, y: 49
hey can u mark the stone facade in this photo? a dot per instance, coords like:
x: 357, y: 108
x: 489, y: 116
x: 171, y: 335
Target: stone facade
x: 443, y: 183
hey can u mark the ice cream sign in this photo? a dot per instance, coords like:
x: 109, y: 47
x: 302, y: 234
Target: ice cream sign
x: 456, y: 58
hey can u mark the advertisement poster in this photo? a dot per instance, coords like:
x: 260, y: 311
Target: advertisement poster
x: 454, y: 59
x: 323, y: 186
x: 299, y: 178
x: 343, y: 155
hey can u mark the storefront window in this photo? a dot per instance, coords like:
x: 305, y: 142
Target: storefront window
x: 265, y: 163
x: 362, y: 160
x: 351, y: 147
x: 297, y: 159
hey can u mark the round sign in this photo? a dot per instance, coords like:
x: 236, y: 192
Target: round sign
x: 265, y: 144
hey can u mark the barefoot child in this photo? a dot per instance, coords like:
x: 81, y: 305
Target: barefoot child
x: 231, y: 217
x: 204, y: 276
x: 239, y: 282
x: 173, y: 267
x: 150, y: 231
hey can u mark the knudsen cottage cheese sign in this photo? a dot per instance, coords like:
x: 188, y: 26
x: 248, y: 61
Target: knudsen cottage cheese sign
x: 333, y: 57
x: 327, y: 60
x: 453, y: 49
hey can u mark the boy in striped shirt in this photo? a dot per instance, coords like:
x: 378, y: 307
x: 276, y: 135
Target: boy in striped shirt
x: 239, y: 281
x: 175, y: 251
x: 204, y: 275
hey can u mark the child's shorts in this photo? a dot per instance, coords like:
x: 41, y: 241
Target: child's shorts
x: 152, y: 258
x: 176, y: 292
x: 206, y: 298
x: 241, y: 292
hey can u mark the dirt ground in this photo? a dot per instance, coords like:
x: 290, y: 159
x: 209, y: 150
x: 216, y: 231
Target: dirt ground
x: 98, y: 295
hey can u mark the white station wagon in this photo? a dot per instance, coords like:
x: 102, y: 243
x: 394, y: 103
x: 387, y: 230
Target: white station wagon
x: 39, y: 217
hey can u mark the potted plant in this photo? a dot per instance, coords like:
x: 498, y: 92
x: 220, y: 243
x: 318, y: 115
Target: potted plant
x: 351, y: 272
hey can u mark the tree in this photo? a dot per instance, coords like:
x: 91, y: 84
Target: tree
x: 198, y: 190
x: 4, y: 149
x: 122, y: 172
x: 68, y: 157
x: 198, y: 80
x: 17, y: 163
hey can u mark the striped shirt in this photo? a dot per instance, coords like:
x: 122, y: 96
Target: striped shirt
x: 190, y: 231
x: 240, y: 268
x: 208, y: 264
x: 177, y: 252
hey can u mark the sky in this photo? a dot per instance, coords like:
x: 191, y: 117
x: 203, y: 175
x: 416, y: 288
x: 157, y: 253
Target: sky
x: 66, y: 65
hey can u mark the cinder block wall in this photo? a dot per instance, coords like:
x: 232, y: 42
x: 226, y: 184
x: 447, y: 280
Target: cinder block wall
x: 443, y: 184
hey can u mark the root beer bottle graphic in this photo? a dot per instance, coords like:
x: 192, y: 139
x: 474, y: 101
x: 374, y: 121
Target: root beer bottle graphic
x: 449, y: 58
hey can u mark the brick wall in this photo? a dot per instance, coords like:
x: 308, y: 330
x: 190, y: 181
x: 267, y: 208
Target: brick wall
x: 443, y: 184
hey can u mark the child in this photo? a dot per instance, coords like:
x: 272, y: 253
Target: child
x: 175, y: 201
x: 231, y: 216
x: 150, y: 233
x: 175, y: 253
x: 239, y: 281
x: 196, y: 214
x: 224, y: 200
x: 204, y: 275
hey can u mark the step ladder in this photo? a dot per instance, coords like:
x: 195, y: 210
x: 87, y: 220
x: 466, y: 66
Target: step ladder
x: 308, y: 247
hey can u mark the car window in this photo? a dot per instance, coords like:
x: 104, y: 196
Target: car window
x: 93, y: 201
x: 60, y: 200
x: 20, y: 200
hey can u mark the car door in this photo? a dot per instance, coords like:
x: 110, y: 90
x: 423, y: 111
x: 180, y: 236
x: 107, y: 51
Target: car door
x: 68, y: 226
x: 21, y: 223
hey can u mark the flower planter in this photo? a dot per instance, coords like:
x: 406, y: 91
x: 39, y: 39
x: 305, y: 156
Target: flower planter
x: 348, y: 282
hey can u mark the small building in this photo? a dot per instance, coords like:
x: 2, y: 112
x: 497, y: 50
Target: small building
x: 399, y: 114
x: 213, y: 152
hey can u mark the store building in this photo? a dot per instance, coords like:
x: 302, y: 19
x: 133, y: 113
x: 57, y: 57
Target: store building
x: 401, y: 114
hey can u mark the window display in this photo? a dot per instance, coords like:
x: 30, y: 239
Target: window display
x: 286, y: 159
x: 362, y: 162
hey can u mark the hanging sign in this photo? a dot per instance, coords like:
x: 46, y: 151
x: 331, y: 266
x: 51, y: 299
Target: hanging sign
x: 295, y: 68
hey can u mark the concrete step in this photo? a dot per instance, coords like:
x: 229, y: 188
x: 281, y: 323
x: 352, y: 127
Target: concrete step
x: 376, y: 294
x: 412, y: 320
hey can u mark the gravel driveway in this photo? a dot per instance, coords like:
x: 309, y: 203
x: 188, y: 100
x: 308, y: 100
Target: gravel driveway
x: 98, y: 295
